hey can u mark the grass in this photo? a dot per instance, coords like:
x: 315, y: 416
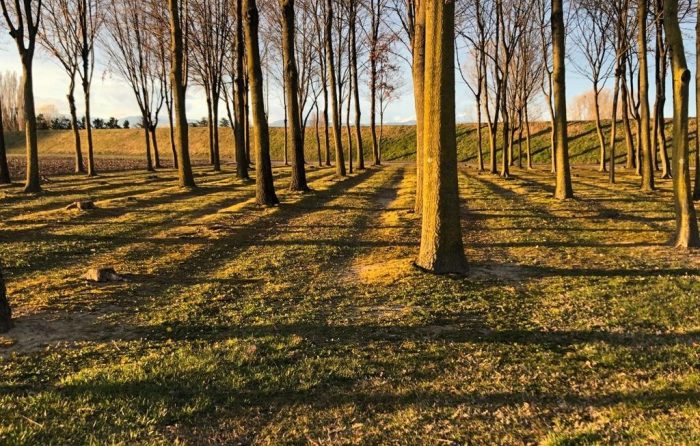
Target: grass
x: 306, y: 324
x: 398, y: 143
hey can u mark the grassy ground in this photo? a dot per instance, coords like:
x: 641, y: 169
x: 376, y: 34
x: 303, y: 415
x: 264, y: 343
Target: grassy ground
x: 306, y: 324
x: 398, y: 143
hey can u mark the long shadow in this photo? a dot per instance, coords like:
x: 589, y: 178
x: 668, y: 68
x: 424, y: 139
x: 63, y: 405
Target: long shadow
x: 44, y: 261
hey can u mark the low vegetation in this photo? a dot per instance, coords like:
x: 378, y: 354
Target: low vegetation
x: 576, y: 325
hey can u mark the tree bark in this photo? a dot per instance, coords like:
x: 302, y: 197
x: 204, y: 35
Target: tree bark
x: 441, y: 249
x: 563, y: 188
x: 33, y: 182
x: 418, y: 95
x: 356, y: 88
x: 265, y: 188
x: 333, y: 92
x: 291, y: 81
x: 178, y: 81
x: 79, y: 165
x: 696, y: 190
x: 5, y: 310
x: 647, y: 161
x: 4, y: 168
x: 686, y: 220
x: 239, y: 94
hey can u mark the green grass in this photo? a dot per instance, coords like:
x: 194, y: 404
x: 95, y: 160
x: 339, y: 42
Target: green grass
x: 398, y: 143
x: 306, y: 324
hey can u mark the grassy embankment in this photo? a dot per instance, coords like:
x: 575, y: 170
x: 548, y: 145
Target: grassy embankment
x: 398, y: 143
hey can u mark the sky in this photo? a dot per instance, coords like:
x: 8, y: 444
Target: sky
x: 112, y: 97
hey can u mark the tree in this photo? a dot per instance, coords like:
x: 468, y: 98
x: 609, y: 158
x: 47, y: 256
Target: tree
x: 178, y: 80
x: 291, y: 81
x: 592, y: 23
x: 59, y: 35
x: 686, y: 235
x: 563, y: 189
x: 645, y: 148
x: 333, y: 91
x: 239, y: 93
x: 356, y: 86
x: 130, y: 49
x: 5, y: 310
x: 4, y: 168
x: 265, y: 188
x: 441, y: 249
x: 418, y: 70
x: 210, y: 22
x: 90, y: 19
x: 376, y: 9
x: 696, y: 191
x: 23, y: 22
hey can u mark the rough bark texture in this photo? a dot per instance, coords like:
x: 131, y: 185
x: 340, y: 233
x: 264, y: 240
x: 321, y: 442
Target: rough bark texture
x: 238, y: 94
x: 333, y: 93
x: 418, y: 92
x: 696, y: 191
x: 647, y: 164
x: 686, y: 220
x: 5, y: 310
x: 356, y: 90
x: 185, y: 177
x: 88, y: 128
x: 563, y: 189
x: 265, y: 188
x: 291, y: 80
x: 441, y: 249
x: 4, y: 168
x: 33, y: 183
x: 79, y: 165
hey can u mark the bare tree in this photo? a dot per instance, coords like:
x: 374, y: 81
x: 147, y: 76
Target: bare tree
x: 211, y: 23
x: 265, y: 188
x: 591, y: 24
x: 686, y: 235
x: 178, y: 80
x: 130, y: 49
x: 4, y: 167
x: 333, y: 90
x: 23, y: 19
x: 563, y: 189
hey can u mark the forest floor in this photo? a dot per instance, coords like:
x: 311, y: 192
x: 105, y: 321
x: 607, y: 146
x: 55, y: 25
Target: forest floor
x: 307, y: 324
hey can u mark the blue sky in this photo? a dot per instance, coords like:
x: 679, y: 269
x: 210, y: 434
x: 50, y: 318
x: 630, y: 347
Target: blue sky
x: 112, y: 97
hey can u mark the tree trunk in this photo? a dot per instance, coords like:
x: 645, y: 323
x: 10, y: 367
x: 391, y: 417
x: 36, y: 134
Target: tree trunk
x: 318, y: 135
x: 5, y: 310
x: 686, y: 220
x: 563, y: 188
x: 599, y: 128
x: 79, y: 165
x: 326, y: 132
x: 479, y: 137
x: 239, y: 94
x: 441, y: 249
x: 4, y: 168
x: 154, y: 140
x: 356, y: 89
x: 215, y: 132
x: 348, y: 127
x: 33, y: 182
x: 171, y: 130
x: 147, y: 134
x: 178, y: 79
x: 613, y: 126
x: 265, y: 188
x: 528, y: 136
x: 291, y: 81
x: 88, y: 129
x: 418, y: 95
x: 647, y: 162
x: 333, y: 91
x: 624, y: 94
x: 666, y: 170
x: 696, y: 190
